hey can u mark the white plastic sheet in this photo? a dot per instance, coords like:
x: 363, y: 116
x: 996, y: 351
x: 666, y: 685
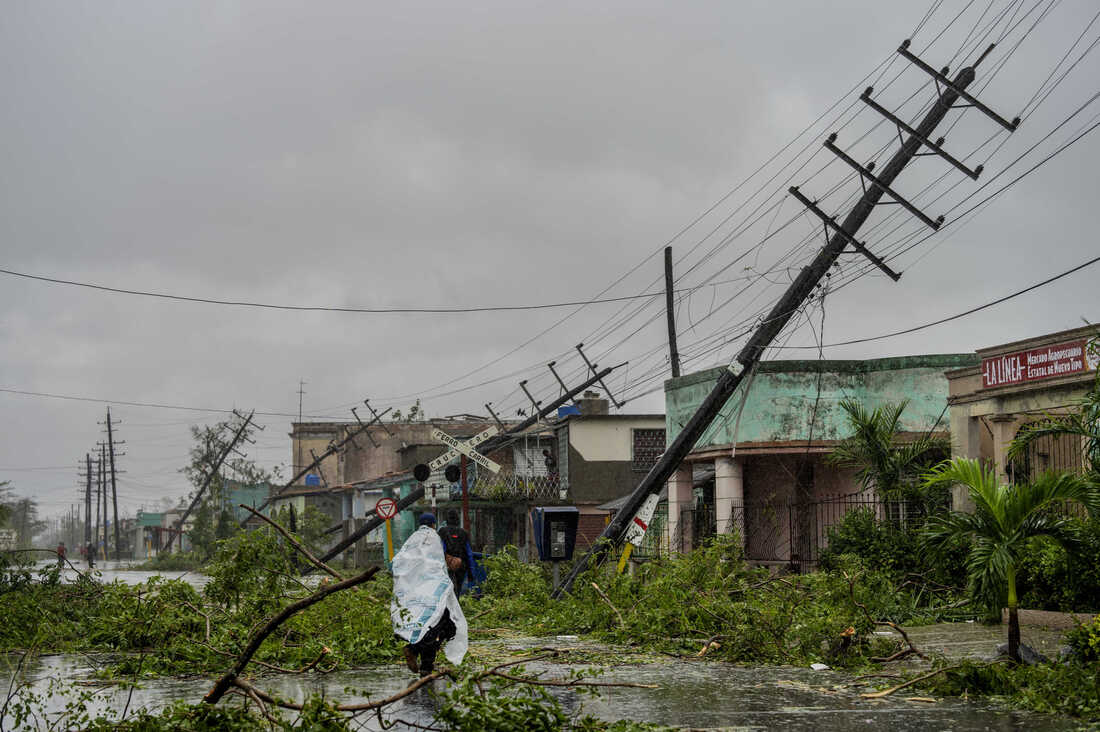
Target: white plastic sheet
x: 422, y: 590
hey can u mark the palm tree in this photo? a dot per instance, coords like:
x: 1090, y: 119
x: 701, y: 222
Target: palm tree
x: 1005, y: 520
x: 882, y: 461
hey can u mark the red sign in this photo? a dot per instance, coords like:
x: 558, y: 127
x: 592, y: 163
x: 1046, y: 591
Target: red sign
x: 386, y: 508
x: 1060, y: 359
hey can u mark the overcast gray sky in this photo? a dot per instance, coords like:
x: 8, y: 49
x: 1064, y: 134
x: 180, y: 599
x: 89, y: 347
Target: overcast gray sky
x: 431, y: 155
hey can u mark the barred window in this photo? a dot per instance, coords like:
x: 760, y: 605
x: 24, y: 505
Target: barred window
x: 649, y: 445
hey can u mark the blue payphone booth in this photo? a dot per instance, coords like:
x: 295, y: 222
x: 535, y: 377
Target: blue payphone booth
x: 555, y: 529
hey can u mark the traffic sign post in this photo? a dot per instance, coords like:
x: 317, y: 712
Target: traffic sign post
x: 635, y: 532
x: 464, y: 449
x: 386, y: 509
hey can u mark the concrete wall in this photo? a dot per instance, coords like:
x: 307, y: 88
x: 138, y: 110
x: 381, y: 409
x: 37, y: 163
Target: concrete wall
x: 782, y: 396
x: 596, y: 439
x: 599, y: 461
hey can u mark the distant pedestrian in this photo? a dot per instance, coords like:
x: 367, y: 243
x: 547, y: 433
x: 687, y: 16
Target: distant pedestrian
x: 456, y: 548
x: 425, y: 610
x: 89, y: 552
x: 550, y: 463
x: 61, y: 554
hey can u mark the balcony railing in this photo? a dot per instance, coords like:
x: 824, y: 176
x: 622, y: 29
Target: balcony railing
x: 508, y: 485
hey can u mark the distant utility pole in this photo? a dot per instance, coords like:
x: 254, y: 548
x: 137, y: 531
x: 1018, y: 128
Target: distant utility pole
x: 98, y: 499
x: 298, y: 453
x: 673, y: 354
x: 114, y: 485
x: 838, y: 236
x: 88, y: 502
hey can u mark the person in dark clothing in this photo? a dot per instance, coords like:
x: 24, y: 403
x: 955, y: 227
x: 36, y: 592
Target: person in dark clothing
x: 420, y: 656
x: 550, y: 463
x: 455, y: 547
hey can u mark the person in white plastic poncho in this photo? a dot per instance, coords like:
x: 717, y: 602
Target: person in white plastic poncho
x: 425, y: 610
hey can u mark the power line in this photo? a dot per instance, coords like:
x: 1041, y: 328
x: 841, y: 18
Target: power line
x: 150, y: 405
x: 325, y: 308
x: 971, y: 311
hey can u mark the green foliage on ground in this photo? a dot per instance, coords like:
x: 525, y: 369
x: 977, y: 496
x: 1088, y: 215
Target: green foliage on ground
x: 1072, y: 689
x: 168, y: 627
x: 1084, y: 641
x: 174, y: 562
x: 678, y: 604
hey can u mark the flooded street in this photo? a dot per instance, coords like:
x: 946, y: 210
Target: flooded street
x: 696, y: 694
x: 123, y: 570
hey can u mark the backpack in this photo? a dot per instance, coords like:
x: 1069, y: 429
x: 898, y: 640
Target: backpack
x: 454, y: 547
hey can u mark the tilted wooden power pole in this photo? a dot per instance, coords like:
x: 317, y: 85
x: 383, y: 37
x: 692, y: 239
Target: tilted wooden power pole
x: 670, y: 314
x: 843, y: 234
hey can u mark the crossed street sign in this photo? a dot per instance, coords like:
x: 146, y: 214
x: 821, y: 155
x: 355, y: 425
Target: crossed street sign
x: 464, y: 448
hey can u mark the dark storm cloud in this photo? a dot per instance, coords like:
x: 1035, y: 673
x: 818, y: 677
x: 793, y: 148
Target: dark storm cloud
x: 431, y: 154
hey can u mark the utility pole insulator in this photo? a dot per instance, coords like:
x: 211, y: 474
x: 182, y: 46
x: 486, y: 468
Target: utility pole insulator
x: 592, y: 367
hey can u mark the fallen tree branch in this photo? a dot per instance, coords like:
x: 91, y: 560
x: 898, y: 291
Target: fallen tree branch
x: 362, y: 707
x: 226, y: 681
x: 494, y: 671
x: 911, y: 650
x: 567, y: 682
x: 261, y: 706
x: 295, y: 543
x: 887, y: 692
x: 710, y: 645
x: 271, y: 666
x: 205, y: 615
x: 605, y: 598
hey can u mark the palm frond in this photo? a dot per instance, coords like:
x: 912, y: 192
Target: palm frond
x: 1049, y: 489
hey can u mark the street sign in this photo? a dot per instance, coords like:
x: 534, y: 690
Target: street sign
x: 460, y: 447
x: 386, y: 508
x: 635, y: 532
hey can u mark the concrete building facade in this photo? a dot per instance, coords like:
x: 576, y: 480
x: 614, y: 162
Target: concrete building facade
x: 760, y: 467
x: 1012, y: 385
x: 603, y: 456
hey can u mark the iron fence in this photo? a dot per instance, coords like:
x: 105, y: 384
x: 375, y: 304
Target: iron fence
x: 789, y: 532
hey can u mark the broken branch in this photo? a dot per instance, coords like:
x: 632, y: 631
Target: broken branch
x: 605, y: 598
x: 296, y: 544
x: 911, y: 650
x: 910, y: 682
x: 226, y: 681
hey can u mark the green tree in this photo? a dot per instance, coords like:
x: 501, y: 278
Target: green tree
x: 1005, y: 521
x: 5, y: 501
x: 882, y: 459
x: 214, y: 518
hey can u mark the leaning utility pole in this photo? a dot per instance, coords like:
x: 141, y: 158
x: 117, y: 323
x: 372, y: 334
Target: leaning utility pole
x: 210, y: 476
x: 673, y: 354
x: 332, y: 449
x: 875, y: 186
x: 114, y: 484
x: 491, y: 445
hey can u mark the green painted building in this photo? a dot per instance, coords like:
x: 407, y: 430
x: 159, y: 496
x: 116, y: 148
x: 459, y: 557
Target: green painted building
x: 760, y: 467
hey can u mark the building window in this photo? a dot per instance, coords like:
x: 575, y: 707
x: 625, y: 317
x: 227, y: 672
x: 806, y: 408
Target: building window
x: 562, y: 436
x: 649, y: 445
